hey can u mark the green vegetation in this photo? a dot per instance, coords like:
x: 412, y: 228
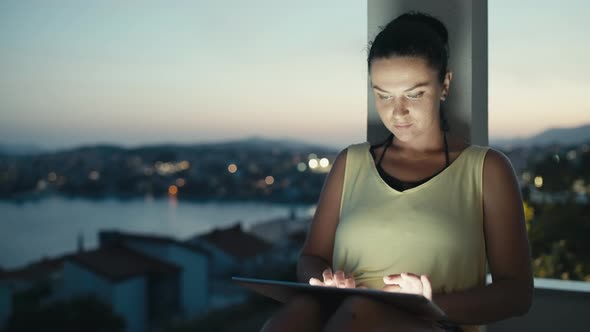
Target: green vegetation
x: 77, y: 314
x: 558, y: 237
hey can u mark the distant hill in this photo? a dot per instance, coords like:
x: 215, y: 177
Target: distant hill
x: 20, y: 149
x: 562, y: 136
x: 247, y: 144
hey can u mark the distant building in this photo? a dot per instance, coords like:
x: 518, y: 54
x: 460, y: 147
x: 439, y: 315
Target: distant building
x: 46, y: 270
x: 147, y: 279
x: 234, y: 251
x: 278, y: 231
x: 286, y: 234
x: 140, y: 288
x: 194, y: 263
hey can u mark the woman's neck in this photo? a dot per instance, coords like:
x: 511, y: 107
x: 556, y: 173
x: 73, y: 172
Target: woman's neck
x: 422, y: 146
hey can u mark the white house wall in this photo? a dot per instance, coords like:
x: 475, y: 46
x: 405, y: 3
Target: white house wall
x: 194, y: 293
x: 129, y: 300
x: 193, y: 280
x: 222, y: 264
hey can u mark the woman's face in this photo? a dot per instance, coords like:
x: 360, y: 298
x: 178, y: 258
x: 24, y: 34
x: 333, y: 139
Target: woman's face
x: 408, y: 93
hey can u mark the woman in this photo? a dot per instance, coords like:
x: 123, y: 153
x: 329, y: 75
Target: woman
x: 420, y: 213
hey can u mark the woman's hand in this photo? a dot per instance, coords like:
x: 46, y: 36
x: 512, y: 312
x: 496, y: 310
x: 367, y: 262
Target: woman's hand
x: 338, y: 279
x: 408, y: 283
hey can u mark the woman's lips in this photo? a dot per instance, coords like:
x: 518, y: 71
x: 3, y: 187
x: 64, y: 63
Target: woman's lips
x: 402, y: 125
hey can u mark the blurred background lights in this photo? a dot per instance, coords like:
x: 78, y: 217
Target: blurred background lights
x: 538, y: 181
x: 313, y: 163
x: 269, y: 180
x: 94, y: 176
x: 52, y: 176
x: 172, y: 190
x: 301, y: 167
x: 232, y: 168
x: 324, y: 162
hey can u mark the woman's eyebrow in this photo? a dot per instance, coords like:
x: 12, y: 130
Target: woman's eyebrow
x: 376, y: 87
x: 417, y: 86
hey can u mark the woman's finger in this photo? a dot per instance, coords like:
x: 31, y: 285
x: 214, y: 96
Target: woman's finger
x: 427, y: 286
x: 339, y: 279
x: 328, y: 277
x: 392, y: 279
x: 392, y: 288
x: 414, y: 283
x: 316, y: 282
x: 349, y: 283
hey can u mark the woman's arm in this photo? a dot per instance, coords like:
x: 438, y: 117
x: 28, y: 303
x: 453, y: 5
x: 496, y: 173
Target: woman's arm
x: 310, y: 267
x: 316, y: 254
x: 508, y: 253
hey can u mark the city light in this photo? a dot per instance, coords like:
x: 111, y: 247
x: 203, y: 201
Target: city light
x: 94, y: 176
x: 312, y: 156
x: 166, y: 168
x: 579, y: 186
x: 173, y: 190
x: 232, y: 168
x: 572, y: 154
x: 301, y: 167
x: 52, y: 176
x: 526, y: 177
x: 41, y: 185
x: 184, y: 165
x: 180, y: 182
x: 538, y: 181
x: 313, y: 163
x: 269, y: 180
x: 324, y: 162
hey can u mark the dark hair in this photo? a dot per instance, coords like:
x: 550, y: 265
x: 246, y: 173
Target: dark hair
x: 413, y: 34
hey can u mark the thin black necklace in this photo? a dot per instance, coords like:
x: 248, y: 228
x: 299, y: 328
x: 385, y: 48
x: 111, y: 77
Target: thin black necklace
x: 390, y: 141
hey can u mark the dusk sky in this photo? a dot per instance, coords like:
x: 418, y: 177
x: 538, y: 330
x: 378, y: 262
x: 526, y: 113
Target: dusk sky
x: 131, y: 73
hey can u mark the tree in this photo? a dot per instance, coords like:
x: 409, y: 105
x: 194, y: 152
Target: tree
x: 85, y: 313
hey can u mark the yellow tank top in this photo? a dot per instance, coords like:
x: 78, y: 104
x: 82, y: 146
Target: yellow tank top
x: 435, y: 228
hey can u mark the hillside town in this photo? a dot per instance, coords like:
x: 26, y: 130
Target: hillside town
x: 152, y: 281
x: 149, y: 282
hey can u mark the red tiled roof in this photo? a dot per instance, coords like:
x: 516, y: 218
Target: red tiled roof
x: 236, y: 242
x: 117, y: 263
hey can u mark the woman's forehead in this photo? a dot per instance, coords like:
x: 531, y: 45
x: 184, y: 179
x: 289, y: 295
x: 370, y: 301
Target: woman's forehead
x: 398, y: 71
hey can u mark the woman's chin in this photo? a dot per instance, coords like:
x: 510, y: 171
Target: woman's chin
x: 402, y: 136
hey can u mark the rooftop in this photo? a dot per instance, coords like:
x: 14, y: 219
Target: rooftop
x: 235, y: 242
x: 117, y: 263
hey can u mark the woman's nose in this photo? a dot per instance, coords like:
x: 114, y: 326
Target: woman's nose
x: 398, y: 107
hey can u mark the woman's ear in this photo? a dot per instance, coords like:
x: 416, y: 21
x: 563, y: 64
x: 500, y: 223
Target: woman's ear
x: 446, y: 85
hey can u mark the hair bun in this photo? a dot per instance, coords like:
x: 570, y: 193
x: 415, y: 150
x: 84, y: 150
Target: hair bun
x: 433, y: 23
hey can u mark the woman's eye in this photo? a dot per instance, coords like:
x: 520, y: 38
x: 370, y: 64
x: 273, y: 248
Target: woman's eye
x: 384, y: 97
x: 416, y: 96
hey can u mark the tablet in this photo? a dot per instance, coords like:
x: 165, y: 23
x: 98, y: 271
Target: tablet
x: 282, y: 291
